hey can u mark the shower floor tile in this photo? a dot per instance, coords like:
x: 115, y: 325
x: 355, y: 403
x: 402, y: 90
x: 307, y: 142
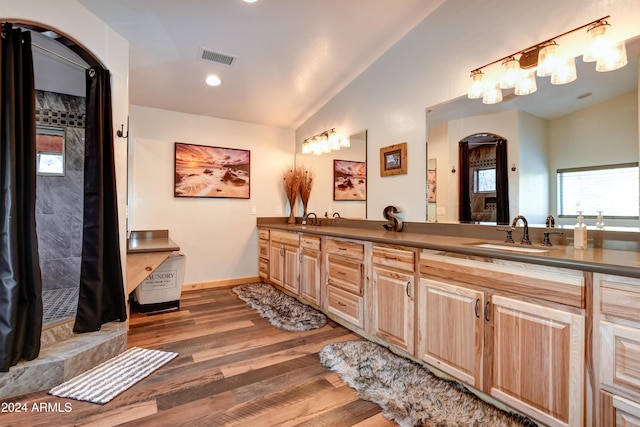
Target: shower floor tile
x: 59, y: 304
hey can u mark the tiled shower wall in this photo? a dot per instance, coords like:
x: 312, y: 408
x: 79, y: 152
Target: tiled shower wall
x: 59, y: 199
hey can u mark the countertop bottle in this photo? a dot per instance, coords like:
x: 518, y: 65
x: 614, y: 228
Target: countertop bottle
x: 600, y: 221
x: 580, y: 233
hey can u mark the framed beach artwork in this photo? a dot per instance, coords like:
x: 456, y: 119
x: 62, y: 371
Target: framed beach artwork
x: 205, y: 171
x: 349, y: 180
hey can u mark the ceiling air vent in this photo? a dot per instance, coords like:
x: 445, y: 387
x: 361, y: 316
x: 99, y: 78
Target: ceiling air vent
x: 219, y: 57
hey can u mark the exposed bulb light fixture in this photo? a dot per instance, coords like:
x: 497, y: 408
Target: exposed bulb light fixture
x: 325, y: 142
x: 519, y: 70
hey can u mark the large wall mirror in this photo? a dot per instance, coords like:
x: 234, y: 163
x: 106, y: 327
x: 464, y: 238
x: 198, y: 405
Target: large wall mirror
x: 590, y: 123
x: 340, y: 181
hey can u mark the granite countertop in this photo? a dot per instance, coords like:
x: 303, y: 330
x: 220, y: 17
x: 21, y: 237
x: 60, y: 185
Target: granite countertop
x: 150, y: 241
x: 609, y: 261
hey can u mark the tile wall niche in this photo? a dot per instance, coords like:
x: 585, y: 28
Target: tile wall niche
x: 59, y: 199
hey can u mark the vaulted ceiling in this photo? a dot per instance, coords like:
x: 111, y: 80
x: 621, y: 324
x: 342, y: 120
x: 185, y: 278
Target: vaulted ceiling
x: 290, y: 56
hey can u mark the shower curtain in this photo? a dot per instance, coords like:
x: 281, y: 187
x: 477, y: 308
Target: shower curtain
x: 101, y: 297
x: 20, y: 278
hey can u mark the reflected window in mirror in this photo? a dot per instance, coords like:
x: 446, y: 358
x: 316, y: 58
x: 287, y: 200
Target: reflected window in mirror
x: 613, y: 190
x: 50, y: 151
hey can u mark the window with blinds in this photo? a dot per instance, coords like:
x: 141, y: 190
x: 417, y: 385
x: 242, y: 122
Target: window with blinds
x: 612, y: 189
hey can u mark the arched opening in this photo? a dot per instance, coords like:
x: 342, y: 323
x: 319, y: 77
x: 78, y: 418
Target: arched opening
x: 484, y: 187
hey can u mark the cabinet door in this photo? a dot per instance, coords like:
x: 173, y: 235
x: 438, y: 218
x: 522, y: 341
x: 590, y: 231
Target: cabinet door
x: 393, y: 299
x: 291, y: 277
x: 451, y: 329
x: 310, y: 276
x: 276, y: 264
x: 538, y: 360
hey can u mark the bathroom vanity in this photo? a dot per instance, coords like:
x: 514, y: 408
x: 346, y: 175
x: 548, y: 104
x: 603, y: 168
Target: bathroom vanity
x: 549, y: 331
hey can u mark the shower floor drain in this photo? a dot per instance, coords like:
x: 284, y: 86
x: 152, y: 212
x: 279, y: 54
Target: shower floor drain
x: 59, y: 304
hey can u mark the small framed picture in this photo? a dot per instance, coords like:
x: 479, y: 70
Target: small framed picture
x: 393, y: 159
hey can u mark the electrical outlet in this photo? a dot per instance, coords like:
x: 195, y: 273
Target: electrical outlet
x: 254, y: 210
x: 278, y: 210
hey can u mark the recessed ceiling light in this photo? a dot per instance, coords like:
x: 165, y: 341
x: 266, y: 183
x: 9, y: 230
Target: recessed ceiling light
x: 213, y: 80
x: 250, y: 1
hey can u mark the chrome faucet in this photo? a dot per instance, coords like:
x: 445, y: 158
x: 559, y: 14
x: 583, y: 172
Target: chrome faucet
x: 314, y: 221
x: 551, y: 222
x: 525, y: 236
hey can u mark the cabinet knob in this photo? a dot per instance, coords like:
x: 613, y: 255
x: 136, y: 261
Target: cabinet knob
x: 148, y: 268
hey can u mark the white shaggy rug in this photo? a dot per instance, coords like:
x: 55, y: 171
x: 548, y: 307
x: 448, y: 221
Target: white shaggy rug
x: 280, y: 309
x: 408, y: 393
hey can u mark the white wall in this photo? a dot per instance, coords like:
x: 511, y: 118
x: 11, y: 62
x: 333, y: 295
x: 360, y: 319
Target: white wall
x: 431, y: 64
x: 217, y: 235
x: 533, y: 168
x: 74, y: 20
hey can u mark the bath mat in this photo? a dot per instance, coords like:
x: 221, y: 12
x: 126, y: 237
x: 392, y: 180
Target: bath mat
x: 107, y: 380
x: 408, y: 393
x: 280, y: 309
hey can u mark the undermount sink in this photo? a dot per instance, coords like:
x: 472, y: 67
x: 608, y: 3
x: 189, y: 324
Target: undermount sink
x: 514, y: 248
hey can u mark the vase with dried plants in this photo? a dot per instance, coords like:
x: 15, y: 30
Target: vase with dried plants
x: 306, y: 184
x: 291, y: 183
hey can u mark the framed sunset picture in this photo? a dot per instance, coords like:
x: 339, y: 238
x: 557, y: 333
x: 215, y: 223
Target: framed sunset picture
x: 205, y: 171
x: 349, y: 180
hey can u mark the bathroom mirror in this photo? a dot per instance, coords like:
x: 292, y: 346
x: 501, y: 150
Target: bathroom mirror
x: 323, y: 199
x: 50, y: 151
x: 589, y: 122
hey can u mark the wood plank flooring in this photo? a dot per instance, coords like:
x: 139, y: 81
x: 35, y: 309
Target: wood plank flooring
x: 233, y: 369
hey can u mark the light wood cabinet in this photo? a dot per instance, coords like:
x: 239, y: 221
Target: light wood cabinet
x: 263, y: 253
x: 538, y: 360
x: 451, y: 331
x: 310, y: 268
x: 617, y: 339
x: 284, y: 260
x: 393, y: 296
x: 345, y: 277
x: 476, y: 325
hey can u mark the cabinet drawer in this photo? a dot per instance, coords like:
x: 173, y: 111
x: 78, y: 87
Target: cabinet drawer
x: 627, y: 412
x: 263, y: 248
x: 346, y: 305
x: 285, y: 237
x: 263, y: 268
x: 620, y: 356
x: 345, y: 274
x: 310, y: 242
x: 346, y: 248
x: 554, y: 284
x: 620, y: 300
x: 401, y: 259
x: 263, y: 234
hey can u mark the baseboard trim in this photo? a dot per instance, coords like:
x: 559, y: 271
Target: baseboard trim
x: 224, y: 283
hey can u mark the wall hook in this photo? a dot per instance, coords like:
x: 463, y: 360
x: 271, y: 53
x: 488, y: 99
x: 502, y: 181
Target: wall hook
x: 513, y: 167
x: 120, y: 132
x: 453, y: 169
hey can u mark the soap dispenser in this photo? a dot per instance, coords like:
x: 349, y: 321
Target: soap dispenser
x: 580, y: 233
x: 600, y: 221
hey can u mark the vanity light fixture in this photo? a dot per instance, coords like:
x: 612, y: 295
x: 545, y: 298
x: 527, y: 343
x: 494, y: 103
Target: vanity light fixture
x: 325, y: 142
x: 519, y: 70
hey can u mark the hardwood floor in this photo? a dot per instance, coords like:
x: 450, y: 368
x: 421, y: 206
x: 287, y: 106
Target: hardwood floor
x: 233, y: 368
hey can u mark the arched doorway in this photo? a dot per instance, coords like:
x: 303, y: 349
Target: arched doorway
x: 483, y: 186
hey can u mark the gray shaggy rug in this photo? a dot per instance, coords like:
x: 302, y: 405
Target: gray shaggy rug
x: 280, y: 309
x: 408, y: 393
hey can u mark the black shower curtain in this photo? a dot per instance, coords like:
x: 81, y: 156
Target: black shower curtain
x: 20, y: 277
x: 502, y: 183
x: 101, y: 298
x: 464, y: 200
